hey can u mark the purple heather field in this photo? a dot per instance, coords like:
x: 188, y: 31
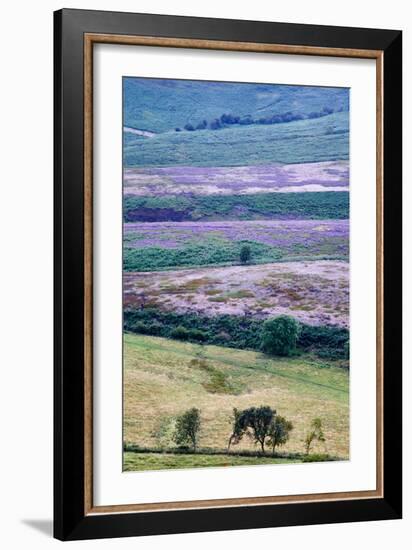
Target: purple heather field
x: 287, y: 178
x: 316, y: 293
x: 283, y: 234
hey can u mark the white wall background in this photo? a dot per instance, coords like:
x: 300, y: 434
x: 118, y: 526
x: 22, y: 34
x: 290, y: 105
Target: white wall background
x: 26, y: 274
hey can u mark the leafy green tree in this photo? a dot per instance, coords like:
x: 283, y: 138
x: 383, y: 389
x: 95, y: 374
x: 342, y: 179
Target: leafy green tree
x: 245, y: 254
x: 187, y: 428
x: 279, y: 432
x: 316, y: 434
x: 164, y: 431
x: 279, y: 335
x: 254, y: 422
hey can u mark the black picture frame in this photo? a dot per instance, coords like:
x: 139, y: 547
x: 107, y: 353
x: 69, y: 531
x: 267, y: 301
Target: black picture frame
x: 70, y: 519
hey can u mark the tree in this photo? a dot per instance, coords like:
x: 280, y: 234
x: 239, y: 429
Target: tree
x: 202, y: 125
x: 245, y: 254
x: 164, y: 431
x: 316, y: 434
x: 188, y: 127
x: 187, y: 428
x: 279, y: 335
x: 254, y: 422
x: 215, y: 124
x: 279, y: 432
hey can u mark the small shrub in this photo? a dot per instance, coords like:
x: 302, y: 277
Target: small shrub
x: 180, y: 333
x: 197, y: 335
x: 316, y: 434
x: 316, y: 457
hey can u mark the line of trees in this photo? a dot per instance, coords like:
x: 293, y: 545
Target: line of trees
x: 262, y: 425
x: 227, y: 119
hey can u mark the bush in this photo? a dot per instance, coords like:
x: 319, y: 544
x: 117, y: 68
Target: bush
x: 180, y: 333
x: 215, y: 124
x: 280, y: 335
x: 197, y: 335
x: 327, y: 342
x: 315, y: 434
x: 153, y: 329
x: 317, y: 457
x: 202, y: 125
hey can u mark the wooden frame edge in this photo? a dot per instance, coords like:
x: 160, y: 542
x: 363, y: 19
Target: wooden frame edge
x: 89, y: 40
x: 88, y: 276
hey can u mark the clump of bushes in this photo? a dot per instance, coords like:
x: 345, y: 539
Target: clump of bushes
x: 182, y: 333
x: 331, y: 205
x: 235, y: 331
x: 226, y: 120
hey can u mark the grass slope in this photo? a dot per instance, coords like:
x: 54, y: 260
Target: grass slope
x: 159, y: 105
x: 162, y: 378
x: 316, y: 140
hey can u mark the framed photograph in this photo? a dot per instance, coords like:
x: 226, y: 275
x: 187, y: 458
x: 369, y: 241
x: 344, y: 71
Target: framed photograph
x: 227, y: 274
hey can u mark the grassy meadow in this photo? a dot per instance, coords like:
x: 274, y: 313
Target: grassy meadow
x: 164, y: 461
x: 163, y: 377
x: 294, y: 142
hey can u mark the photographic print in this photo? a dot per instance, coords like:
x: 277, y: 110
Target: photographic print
x: 235, y: 274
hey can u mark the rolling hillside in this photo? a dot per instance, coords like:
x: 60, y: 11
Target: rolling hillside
x: 160, y: 105
x: 317, y: 140
x: 162, y: 378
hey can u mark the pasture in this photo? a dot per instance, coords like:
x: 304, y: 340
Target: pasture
x: 163, y: 378
x: 318, y: 140
x: 133, y: 461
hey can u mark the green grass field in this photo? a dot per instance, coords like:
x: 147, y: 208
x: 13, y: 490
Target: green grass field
x: 158, y: 461
x: 163, y: 378
x: 159, y: 104
x: 317, y: 140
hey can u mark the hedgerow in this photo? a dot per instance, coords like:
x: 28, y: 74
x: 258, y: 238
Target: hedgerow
x: 234, y: 331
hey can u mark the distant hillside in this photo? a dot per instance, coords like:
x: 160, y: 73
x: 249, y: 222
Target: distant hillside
x: 312, y: 140
x: 161, y: 105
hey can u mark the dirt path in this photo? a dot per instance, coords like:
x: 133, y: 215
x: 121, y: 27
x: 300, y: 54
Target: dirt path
x: 138, y: 132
